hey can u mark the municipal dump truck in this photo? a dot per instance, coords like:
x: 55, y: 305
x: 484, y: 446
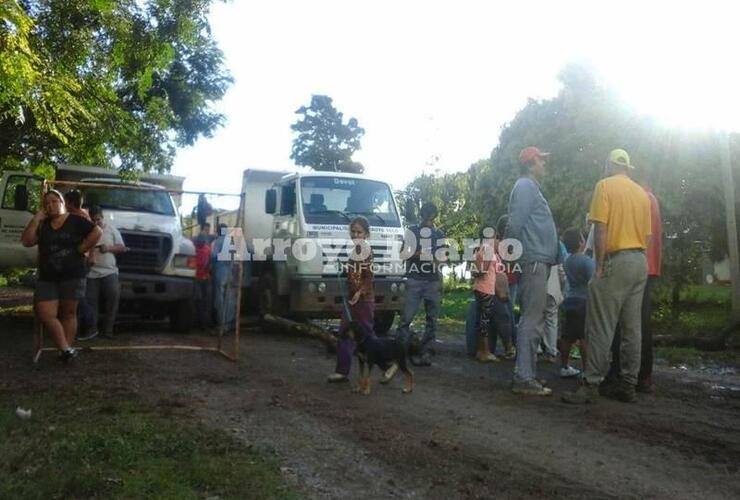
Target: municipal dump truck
x: 296, y: 226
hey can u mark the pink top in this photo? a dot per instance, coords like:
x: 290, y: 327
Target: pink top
x: 655, y: 245
x: 486, y: 262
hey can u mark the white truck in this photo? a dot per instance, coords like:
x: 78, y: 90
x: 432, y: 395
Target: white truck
x: 314, y: 209
x: 156, y: 274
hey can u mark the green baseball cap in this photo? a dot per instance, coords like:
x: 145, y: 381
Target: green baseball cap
x: 620, y: 157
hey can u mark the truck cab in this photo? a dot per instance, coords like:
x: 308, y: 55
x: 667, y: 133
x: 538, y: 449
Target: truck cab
x: 306, y: 217
x: 156, y: 274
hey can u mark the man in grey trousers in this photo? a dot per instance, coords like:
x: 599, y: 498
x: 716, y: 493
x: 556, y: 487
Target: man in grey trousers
x: 102, y: 278
x: 620, y: 212
x: 531, y: 222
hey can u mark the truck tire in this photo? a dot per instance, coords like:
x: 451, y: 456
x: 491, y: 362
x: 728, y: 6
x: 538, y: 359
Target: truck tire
x: 383, y: 322
x: 181, y: 316
x: 269, y: 300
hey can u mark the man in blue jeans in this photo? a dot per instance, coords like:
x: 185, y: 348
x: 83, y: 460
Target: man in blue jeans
x: 531, y: 223
x: 424, y: 280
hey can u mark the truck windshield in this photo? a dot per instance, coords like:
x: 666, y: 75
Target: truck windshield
x: 335, y: 200
x: 130, y: 200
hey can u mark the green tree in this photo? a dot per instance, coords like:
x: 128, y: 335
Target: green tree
x: 106, y: 82
x: 579, y: 127
x: 451, y: 194
x: 324, y: 142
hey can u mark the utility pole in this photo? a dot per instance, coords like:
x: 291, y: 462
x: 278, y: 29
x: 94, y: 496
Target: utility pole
x: 731, y: 218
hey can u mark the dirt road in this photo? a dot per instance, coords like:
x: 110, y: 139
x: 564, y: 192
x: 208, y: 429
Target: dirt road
x: 461, y: 434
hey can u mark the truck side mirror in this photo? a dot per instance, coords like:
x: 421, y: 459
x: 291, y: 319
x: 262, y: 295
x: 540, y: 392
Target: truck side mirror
x: 270, y: 201
x: 20, y: 199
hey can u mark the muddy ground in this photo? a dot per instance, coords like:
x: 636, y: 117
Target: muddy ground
x: 461, y: 434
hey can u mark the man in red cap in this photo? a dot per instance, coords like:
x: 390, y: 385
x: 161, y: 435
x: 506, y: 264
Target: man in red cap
x: 531, y: 222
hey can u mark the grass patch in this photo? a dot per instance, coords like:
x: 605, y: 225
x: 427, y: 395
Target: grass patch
x: 704, y: 320
x: 673, y: 356
x: 83, y: 444
x: 455, y: 303
x: 706, y: 294
x: 694, y: 358
x: 453, y: 308
x: 24, y: 310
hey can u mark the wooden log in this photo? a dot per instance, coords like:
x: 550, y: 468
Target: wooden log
x: 306, y: 329
x: 715, y: 343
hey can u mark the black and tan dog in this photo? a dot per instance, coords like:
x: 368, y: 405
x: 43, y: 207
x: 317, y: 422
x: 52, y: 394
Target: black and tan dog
x: 387, y: 353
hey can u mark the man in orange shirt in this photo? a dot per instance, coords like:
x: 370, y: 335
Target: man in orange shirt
x: 620, y: 212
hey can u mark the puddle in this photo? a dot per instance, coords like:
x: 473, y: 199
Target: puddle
x: 717, y: 387
x: 718, y: 371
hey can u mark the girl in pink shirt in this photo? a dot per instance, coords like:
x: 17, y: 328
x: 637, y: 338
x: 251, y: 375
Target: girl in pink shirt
x: 484, y: 288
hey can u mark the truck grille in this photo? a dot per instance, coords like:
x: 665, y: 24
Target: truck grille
x: 331, y: 252
x: 148, y: 252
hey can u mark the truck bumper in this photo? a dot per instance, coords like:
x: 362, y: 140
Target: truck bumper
x: 154, y: 288
x: 306, y: 297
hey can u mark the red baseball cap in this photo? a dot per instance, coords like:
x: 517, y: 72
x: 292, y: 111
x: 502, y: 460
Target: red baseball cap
x: 530, y: 153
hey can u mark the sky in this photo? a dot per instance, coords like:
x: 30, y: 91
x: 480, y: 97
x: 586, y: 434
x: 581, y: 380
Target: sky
x: 432, y: 83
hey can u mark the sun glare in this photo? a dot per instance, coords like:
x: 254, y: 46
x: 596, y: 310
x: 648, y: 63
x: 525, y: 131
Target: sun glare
x: 683, y: 72
x: 686, y: 100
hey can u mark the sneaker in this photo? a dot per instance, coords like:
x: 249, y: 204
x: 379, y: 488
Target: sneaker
x: 530, y: 388
x: 88, y: 336
x: 510, y: 353
x: 586, y: 393
x: 68, y: 355
x: 489, y: 358
x: 569, y: 372
x: 337, y: 377
x: 575, y: 352
x: 550, y: 358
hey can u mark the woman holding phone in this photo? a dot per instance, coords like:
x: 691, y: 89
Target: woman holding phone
x: 63, y: 240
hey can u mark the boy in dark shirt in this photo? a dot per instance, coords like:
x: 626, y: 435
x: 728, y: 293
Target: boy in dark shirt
x: 578, y: 271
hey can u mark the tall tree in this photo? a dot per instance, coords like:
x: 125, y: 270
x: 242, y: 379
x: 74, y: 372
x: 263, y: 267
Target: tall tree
x: 580, y: 126
x: 451, y: 194
x: 106, y: 82
x: 324, y: 141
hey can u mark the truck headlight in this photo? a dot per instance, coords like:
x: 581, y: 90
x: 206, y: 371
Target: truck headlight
x: 322, y: 287
x: 312, y: 288
x: 402, y: 287
x: 184, y: 261
x: 394, y: 288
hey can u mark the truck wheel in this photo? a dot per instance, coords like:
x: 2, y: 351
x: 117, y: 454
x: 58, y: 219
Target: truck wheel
x: 181, y: 316
x: 383, y: 322
x: 269, y: 300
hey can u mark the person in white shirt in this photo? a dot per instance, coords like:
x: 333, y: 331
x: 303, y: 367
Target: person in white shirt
x: 102, y: 278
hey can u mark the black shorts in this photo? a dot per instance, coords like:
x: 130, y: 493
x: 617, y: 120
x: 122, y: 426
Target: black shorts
x: 59, y: 290
x: 575, y: 318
